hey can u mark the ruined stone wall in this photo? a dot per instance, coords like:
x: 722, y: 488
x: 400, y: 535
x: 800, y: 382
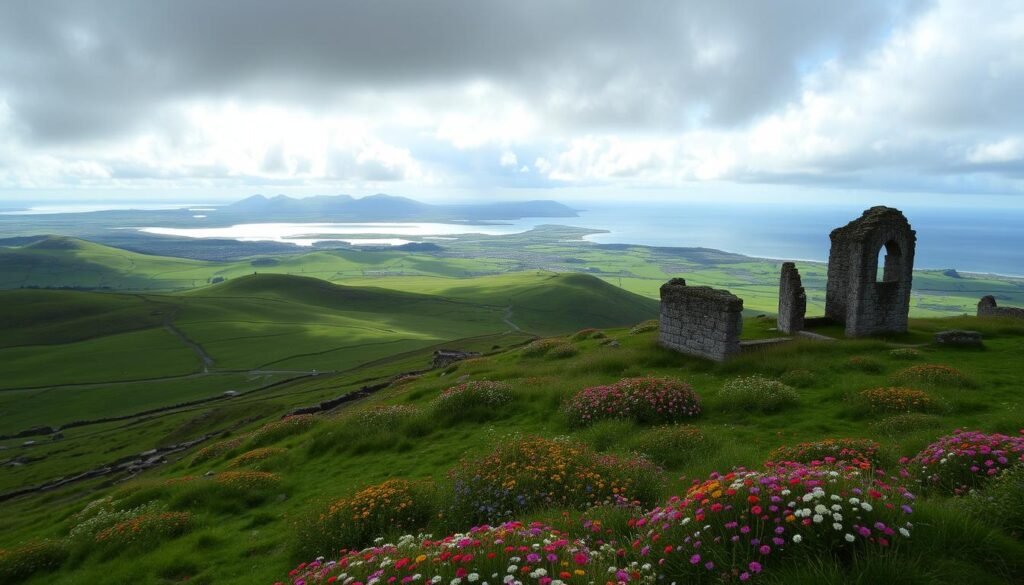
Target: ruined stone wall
x: 792, y: 300
x: 855, y: 296
x: 987, y: 307
x: 700, y: 321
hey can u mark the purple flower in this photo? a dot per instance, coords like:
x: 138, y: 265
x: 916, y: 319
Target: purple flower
x: 694, y: 559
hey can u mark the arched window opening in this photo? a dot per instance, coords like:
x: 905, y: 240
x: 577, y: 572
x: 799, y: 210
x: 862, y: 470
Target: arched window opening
x: 890, y: 262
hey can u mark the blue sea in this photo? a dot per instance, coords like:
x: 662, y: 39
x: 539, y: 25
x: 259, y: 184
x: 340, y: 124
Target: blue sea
x: 989, y: 240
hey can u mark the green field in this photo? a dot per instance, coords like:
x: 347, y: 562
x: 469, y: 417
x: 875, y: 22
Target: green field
x: 67, y: 262
x: 281, y: 339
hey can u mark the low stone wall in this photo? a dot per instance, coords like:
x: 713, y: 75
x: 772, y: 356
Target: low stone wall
x: 700, y: 321
x: 987, y: 308
x: 792, y: 300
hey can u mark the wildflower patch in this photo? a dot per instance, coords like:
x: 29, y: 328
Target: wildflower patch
x: 645, y: 400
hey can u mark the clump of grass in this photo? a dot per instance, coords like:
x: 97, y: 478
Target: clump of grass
x: 757, y: 393
x: 562, y: 351
x: 896, y: 399
x: 933, y: 375
x: 473, y: 401
x: 394, y: 507
x: 859, y: 452
x: 644, y: 327
x: 900, y: 424
x: 101, y: 514
x: 540, y: 347
x: 526, y: 474
x: 1001, y: 502
x: 247, y: 482
x: 798, y: 378
x: 145, y: 531
x: 273, y: 432
x: 218, y: 449
x: 591, y: 333
x: 256, y: 457
x: 30, y: 559
x: 674, y: 445
x: 392, y: 415
x: 865, y: 364
x: 905, y: 353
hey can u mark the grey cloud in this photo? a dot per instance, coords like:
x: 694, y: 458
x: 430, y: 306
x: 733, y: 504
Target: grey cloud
x: 90, y: 69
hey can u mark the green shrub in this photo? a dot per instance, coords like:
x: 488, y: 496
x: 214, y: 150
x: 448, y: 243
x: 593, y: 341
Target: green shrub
x: 644, y: 327
x: 865, y: 364
x: 388, y: 416
x: 757, y: 393
x: 104, y: 513
x: 896, y: 399
x: 273, y: 432
x: 392, y: 508
x: 932, y: 375
x: 472, y: 401
x: 798, y: 378
x: 899, y: 424
x: 562, y: 351
x: 583, y: 334
x: 30, y: 559
x: 218, y: 449
x: 540, y: 347
x: 863, y: 452
x: 143, y: 532
x: 1001, y: 502
x: 534, y: 473
x: 674, y: 445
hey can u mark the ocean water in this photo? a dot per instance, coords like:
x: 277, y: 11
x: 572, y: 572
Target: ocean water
x: 965, y: 237
x: 972, y: 240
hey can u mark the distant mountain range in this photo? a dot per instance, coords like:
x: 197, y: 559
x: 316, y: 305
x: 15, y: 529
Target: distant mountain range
x: 385, y: 208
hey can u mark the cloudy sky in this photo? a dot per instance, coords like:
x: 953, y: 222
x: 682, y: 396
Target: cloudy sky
x: 548, y: 98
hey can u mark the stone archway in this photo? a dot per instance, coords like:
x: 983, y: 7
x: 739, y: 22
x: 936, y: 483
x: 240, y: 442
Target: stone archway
x: 857, y: 296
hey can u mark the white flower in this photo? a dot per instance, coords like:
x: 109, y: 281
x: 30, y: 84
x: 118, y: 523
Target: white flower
x: 541, y: 572
x: 837, y: 517
x: 818, y: 518
x: 785, y: 492
x: 820, y: 509
x: 866, y: 506
x: 612, y: 569
x: 837, y: 526
x: 455, y: 581
x: 685, y: 521
x: 436, y: 579
x: 854, y: 501
x: 511, y: 569
x: 646, y: 567
x: 417, y: 577
x: 849, y: 537
x: 797, y: 538
x: 835, y: 498
x: 509, y: 579
x: 472, y: 577
x: 836, y: 507
x: 905, y: 532
x: 808, y: 497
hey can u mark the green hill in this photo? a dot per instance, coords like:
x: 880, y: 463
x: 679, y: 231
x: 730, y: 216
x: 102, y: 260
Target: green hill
x: 260, y: 532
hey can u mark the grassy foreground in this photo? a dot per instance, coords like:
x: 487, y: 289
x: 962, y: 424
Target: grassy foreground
x: 268, y: 496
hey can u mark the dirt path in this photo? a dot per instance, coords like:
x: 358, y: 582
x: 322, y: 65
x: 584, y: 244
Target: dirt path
x: 507, y: 319
x: 195, y: 347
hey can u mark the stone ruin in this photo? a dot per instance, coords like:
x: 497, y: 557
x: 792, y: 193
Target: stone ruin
x: 443, y: 358
x: 987, y: 307
x: 707, y: 322
x: 700, y: 320
x: 792, y: 300
x: 855, y: 295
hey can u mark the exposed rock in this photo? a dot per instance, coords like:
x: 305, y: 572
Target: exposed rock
x: 959, y: 338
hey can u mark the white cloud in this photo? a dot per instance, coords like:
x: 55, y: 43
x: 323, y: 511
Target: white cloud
x: 508, y: 159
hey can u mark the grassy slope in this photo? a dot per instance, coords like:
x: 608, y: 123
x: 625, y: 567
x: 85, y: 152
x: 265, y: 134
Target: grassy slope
x: 236, y: 546
x: 103, y: 343
x: 66, y: 262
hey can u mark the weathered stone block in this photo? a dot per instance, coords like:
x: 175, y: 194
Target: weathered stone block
x: 699, y: 320
x: 792, y: 300
x: 959, y: 337
x: 987, y: 307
